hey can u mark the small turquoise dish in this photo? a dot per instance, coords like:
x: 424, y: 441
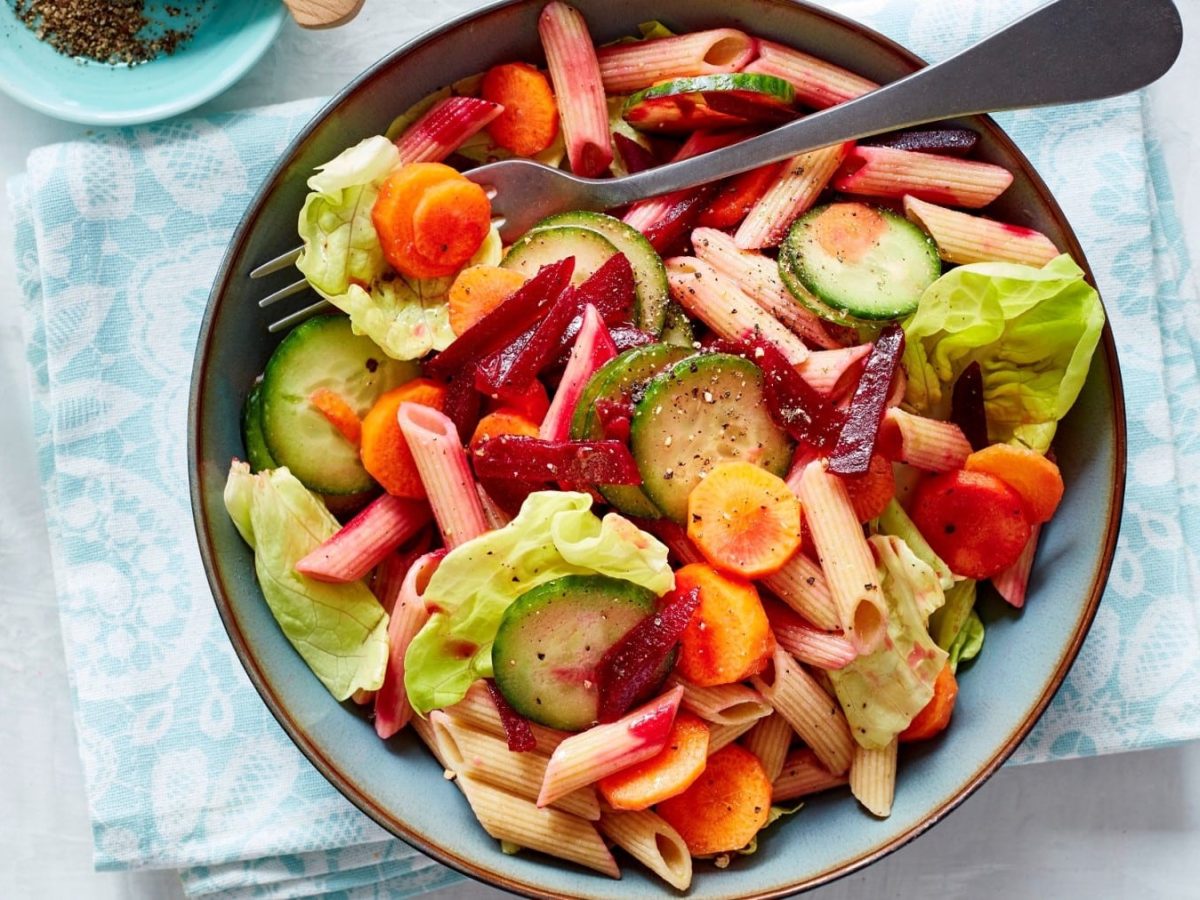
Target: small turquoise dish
x: 229, y: 38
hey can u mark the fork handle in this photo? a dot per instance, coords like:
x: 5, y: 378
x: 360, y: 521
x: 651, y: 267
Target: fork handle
x: 1068, y: 51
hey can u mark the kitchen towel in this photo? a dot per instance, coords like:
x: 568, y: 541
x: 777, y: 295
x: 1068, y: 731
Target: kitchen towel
x: 118, y: 238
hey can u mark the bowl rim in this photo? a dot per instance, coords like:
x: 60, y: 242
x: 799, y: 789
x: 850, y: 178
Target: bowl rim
x: 246, y: 60
x: 464, y: 864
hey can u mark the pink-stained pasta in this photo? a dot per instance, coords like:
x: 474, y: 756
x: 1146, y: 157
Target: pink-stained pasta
x: 718, y: 303
x: 757, y: 277
x: 769, y: 740
x: 496, y: 517
x: 818, y: 84
x: 442, y: 465
x: 593, y: 348
x: 725, y: 704
x: 845, y: 556
x: 575, y: 73
x: 927, y: 444
x: 392, y: 710
x: 390, y: 574
x: 963, y: 238
x: 803, y: 775
x: 801, y: 585
x: 590, y: 755
x: 445, y: 128
x: 947, y: 180
x: 478, y: 710
x: 794, y: 191
x: 813, y: 647
x: 366, y: 540
x: 1013, y: 582
x: 632, y: 66
x: 829, y: 371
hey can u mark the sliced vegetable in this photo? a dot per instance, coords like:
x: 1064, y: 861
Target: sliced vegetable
x: 675, y: 217
x: 669, y: 773
x: 856, y: 443
x: 935, y: 717
x: 872, y: 491
x: 592, y: 349
x: 947, y: 141
x: 477, y: 291
x: 517, y: 732
x: 338, y: 412
x: 384, y: 450
x: 633, y: 666
x: 794, y: 405
x: 972, y: 520
x: 514, y: 367
x: 711, y: 102
x: 461, y: 404
x: 966, y: 406
x: 366, y: 540
x: 524, y: 458
x: 540, y: 248
x: 744, y: 519
x: 635, y: 157
x: 1034, y: 477
x: 737, y: 196
x: 504, y: 421
x: 532, y: 402
x: 529, y: 122
x: 725, y: 807
x: 257, y: 453
x: 728, y: 638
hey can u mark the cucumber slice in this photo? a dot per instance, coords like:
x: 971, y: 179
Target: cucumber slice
x: 257, y: 453
x: 649, y: 274
x: 677, y: 327
x: 616, y: 378
x: 711, y: 101
x: 859, y: 261
x: 324, y: 353
x: 545, y: 653
x: 703, y: 411
x: 540, y: 248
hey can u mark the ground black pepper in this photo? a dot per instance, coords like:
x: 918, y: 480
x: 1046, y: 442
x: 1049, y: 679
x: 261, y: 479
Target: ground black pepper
x: 110, y: 31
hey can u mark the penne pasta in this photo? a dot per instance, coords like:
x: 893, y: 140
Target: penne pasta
x: 827, y: 371
x: 803, y: 775
x: 845, y: 557
x: 757, y: 277
x: 818, y: 84
x: 445, y: 128
x: 769, y: 740
x: 424, y: 730
x: 652, y: 842
x: 575, y: 74
x: 444, y: 471
x: 716, y: 301
x: 963, y: 238
x: 477, y: 710
x: 873, y: 778
x: 366, y: 540
x: 496, y: 517
x: 811, y: 712
x: 794, y: 191
x: 392, y: 709
x: 820, y: 649
x: 470, y: 751
x: 801, y: 585
x: 1013, y: 582
x: 634, y: 65
x: 507, y: 817
x: 888, y: 172
x: 927, y: 444
x: 726, y: 704
x: 720, y: 736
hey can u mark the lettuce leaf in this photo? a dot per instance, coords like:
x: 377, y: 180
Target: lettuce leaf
x: 968, y: 642
x: 894, y: 520
x: 340, y: 630
x: 343, y: 261
x: 555, y: 534
x: 1033, y: 332
x: 947, y: 622
x: 882, y: 692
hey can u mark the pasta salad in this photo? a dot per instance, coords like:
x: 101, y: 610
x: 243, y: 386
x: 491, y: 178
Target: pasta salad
x: 658, y: 519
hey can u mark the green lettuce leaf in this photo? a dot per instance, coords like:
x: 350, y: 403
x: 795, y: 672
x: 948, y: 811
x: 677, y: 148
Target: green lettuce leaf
x: 968, y: 642
x: 1032, y: 331
x: 894, y: 520
x: 340, y: 630
x: 947, y: 622
x: 554, y: 535
x: 882, y: 692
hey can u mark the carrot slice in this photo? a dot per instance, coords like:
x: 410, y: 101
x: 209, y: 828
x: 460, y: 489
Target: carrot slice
x: 933, y: 719
x: 744, y: 519
x: 477, y: 291
x: 529, y: 123
x: 669, y: 773
x: 972, y: 520
x: 338, y: 413
x: 736, y: 197
x: 725, y: 807
x: 871, y: 491
x: 450, y: 222
x: 1035, y: 478
x: 384, y: 452
x: 729, y: 638
x: 505, y: 420
x: 531, y: 401
x: 392, y: 216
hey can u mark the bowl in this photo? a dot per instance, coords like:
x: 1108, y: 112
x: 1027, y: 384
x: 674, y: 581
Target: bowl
x: 229, y: 38
x: 397, y: 782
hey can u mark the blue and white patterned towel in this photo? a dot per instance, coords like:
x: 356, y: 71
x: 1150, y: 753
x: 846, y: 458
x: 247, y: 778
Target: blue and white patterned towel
x: 118, y: 238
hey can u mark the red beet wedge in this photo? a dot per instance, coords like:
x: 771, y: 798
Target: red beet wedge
x: 852, y: 453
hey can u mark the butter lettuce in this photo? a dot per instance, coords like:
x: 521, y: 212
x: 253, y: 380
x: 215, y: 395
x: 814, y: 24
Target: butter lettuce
x: 343, y: 261
x: 882, y: 692
x: 894, y: 520
x: 1032, y: 331
x: 968, y: 642
x: 555, y: 534
x: 340, y: 630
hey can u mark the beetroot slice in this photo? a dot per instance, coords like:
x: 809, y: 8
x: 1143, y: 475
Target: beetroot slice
x: 966, y: 406
x: 626, y: 337
x: 515, y: 366
x: 521, y: 458
x: 517, y: 731
x: 615, y: 417
x: 633, y: 663
x: 677, y: 220
x: 462, y: 404
x: 508, y: 320
x: 636, y: 157
x: 947, y: 141
x: 852, y: 453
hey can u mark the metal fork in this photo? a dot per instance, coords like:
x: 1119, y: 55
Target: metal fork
x: 1068, y: 51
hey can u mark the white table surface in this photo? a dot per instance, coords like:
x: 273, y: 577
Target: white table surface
x: 1111, y: 827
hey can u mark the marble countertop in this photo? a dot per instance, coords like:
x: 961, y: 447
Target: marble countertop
x: 1109, y: 827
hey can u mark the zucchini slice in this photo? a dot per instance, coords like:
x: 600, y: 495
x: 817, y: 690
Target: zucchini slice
x: 548, y: 245
x: 711, y: 101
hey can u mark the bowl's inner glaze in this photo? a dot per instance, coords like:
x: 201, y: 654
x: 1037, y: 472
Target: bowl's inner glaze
x: 397, y: 782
